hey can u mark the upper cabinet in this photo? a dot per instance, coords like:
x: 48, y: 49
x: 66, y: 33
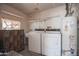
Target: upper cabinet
x: 53, y: 23
x: 34, y: 25
x: 42, y: 25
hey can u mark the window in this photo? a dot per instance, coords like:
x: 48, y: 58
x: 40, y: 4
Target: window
x: 10, y: 24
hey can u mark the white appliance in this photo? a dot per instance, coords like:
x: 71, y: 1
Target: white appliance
x: 69, y: 36
x: 51, y: 43
x: 34, y: 41
x: 46, y: 43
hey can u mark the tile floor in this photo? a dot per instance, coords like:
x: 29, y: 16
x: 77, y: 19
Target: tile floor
x: 26, y: 52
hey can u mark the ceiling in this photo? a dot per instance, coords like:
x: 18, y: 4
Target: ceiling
x: 29, y: 8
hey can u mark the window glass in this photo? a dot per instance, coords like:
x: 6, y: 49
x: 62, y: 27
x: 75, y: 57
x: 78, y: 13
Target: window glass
x: 10, y: 24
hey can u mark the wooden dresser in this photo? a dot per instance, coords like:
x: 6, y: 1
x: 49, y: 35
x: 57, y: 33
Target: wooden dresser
x: 12, y: 40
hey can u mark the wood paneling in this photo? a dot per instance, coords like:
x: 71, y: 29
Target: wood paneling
x: 12, y: 39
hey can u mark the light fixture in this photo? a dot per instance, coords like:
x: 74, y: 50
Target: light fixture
x: 36, y: 7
